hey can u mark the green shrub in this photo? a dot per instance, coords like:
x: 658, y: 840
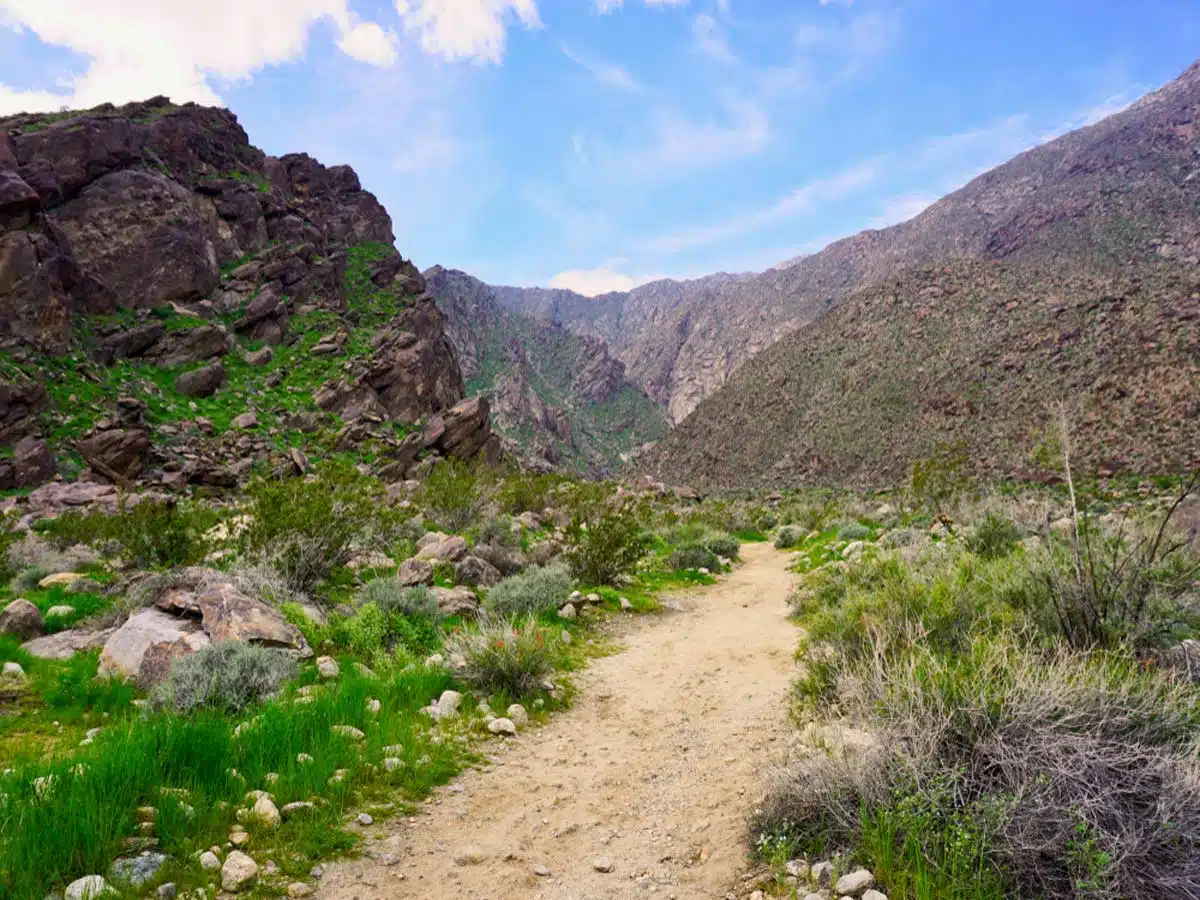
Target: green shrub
x: 452, y: 494
x: 607, y: 549
x: 526, y: 493
x: 7, y: 539
x: 854, y: 531
x: 418, y: 634
x: 392, y: 597
x: 227, y: 677
x: 722, y: 544
x: 788, y: 537
x: 511, y: 657
x: 149, y: 534
x: 307, y: 528
x: 994, y: 537
x: 694, y: 556
x: 497, y: 532
x: 536, y: 590
x: 73, y: 687
x: 367, y: 630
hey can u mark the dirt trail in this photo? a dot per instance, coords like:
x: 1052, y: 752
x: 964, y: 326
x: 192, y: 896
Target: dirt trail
x: 655, y: 768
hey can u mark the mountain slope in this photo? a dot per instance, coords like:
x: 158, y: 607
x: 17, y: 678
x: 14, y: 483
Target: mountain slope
x: 966, y: 359
x: 557, y: 397
x: 1123, y: 189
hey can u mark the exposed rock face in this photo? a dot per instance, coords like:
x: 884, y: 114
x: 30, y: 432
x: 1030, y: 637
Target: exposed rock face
x: 168, y: 216
x: 1113, y: 193
x: 145, y: 646
x: 32, y: 464
x: 226, y: 614
x: 562, y: 395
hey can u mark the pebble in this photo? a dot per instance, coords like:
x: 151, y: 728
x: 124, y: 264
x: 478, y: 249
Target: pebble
x: 541, y: 871
x: 239, y: 872
x: 855, y: 882
x: 874, y: 895
x: 568, y: 612
x: 86, y: 888
x: 472, y: 856
x: 209, y: 861
x: 822, y: 873
x: 365, y: 819
x: 327, y: 667
x: 502, y: 726
x: 518, y: 714
x: 299, y: 889
x: 167, y: 891
x: 602, y: 864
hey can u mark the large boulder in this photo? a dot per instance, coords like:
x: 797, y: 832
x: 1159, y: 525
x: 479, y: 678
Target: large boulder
x: 439, y: 546
x: 461, y: 431
x: 457, y: 601
x: 191, y: 345
x: 145, y: 646
x: 144, y: 236
x: 18, y: 201
x: 202, y: 382
x: 62, y: 159
x: 65, y: 644
x: 227, y: 614
x: 38, y: 281
x: 20, y: 402
x: 414, y: 371
x: 476, y: 572
x: 21, y: 619
x: 33, y: 462
x: 118, y: 453
x: 129, y: 343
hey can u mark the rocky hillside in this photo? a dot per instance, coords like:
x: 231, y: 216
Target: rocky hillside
x: 177, y: 308
x: 1123, y: 190
x: 558, y: 399
x: 962, y: 363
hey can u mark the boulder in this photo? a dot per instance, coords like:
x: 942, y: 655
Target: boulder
x: 20, y: 401
x: 22, y: 619
x: 32, y: 462
x: 239, y: 872
x: 446, y: 547
x: 227, y: 614
x: 203, y: 382
x: 414, y: 572
x: 116, y: 452
x: 854, y: 883
x: 130, y: 343
x: 461, y: 431
x: 72, y: 153
x: 473, y: 571
x: 457, y: 601
x: 145, y: 646
x: 66, y: 644
x: 90, y: 887
x: 136, y: 871
x: 246, y: 421
x: 143, y: 235
x: 191, y: 345
x: 508, y: 560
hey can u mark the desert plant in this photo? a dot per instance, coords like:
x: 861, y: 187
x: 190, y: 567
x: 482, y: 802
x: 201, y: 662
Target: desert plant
x: 788, y: 537
x: 853, y: 531
x: 694, y: 556
x: 150, y: 533
x: 938, y: 480
x: 606, y: 549
x: 227, y: 677
x: 723, y: 544
x: 526, y: 493
x: 536, y: 590
x: 452, y: 493
x: 306, y: 528
x: 994, y: 537
x: 507, y: 656
x: 390, y: 596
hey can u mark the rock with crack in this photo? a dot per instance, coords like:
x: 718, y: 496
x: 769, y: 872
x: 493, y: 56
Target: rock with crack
x: 461, y: 431
x: 144, y: 648
x: 228, y: 614
x: 118, y: 454
x: 457, y: 601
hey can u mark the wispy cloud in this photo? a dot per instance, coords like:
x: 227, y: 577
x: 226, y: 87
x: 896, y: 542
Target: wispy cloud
x: 803, y: 200
x: 606, y: 73
x: 474, y: 30
x: 711, y: 41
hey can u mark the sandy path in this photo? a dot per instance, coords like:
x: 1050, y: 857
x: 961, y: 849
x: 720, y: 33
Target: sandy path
x: 655, y: 767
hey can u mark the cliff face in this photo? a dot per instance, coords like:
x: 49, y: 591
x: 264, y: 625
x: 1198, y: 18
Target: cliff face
x: 559, y: 399
x: 1119, y: 192
x: 150, y: 252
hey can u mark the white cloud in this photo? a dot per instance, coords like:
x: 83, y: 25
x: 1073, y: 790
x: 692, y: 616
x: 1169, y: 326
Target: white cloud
x: 474, y: 30
x: 605, y: 72
x: 136, y: 48
x: 803, y: 200
x: 607, y: 6
x: 593, y: 282
x: 369, y: 43
x: 683, y: 144
x: 710, y: 41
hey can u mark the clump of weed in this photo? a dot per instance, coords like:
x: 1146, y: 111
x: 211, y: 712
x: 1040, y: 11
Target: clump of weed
x: 604, y: 550
x: 506, y: 656
x: 694, y: 556
x: 536, y: 590
x: 150, y: 534
x: 391, y: 596
x: 853, y: 531
x: 227, y: 677
x: 788, y: 537
x: 994, y: 537
x: 452, y: 492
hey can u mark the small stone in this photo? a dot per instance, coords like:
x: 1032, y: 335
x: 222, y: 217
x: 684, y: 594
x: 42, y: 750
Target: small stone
x: 295, y: 808
x: 239, y: 838
x: 873, y: 894
x: 167, y: 891
x: 374, y: 706
x: 822, y: 873
x: 472, y: 856
x: 137, y: 870
x: 519, y: 716
x: 316, y: 871
x: 209, y: 861
x: 393, y: 749
x: 245, y: 421
x: 568, y: 612
x: 797, y: 868
x: 757, y: 895
x: 602, y: 864
x: 348, y: 731
x: 813, y: 895
x: 541, y: 871
x: 327, y: 667
x: 626, y: 606
x: 303, y: 759
x: 365, y: 819
x: 266, y: 813
x: 593, y: 599
x: 502, y: 726
x: 854, y: 883
x: 392, y: 763
x: 239, y: 872
x: 61, y: 611
x: 13, y: 671
x: 566, y: 637
x: 63, y: 579
x: 298, y: 889
x: 86, y: 888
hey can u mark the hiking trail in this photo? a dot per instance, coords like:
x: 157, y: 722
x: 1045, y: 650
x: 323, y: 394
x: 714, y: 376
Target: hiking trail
x: 654, y: 768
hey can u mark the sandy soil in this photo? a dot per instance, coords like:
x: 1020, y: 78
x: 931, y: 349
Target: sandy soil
x: 655, y: 768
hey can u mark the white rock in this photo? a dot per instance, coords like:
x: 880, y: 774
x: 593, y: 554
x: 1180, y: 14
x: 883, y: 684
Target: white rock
x: 822, y: 873
x: 298, y: 806
x: 541, y: 871
x: 502, y: 726
x: 365, y: 819
x: 854, y: 549
x: 303, y: 759
x: 602, y: 864
x: 298, y: 889
x: 626, y: 606
x: 854, y: 883
x: 568, y: 612
x: 86, y: 888
x: 797, y: 868
x: 566, y: 637
x: 239, y: 872
x: 348, y: 731
x: 14, y: 671
x: 593, y: 598
x: 62, y: 610
x: 266, y: 813
x: 703, y: 570
x: 327, y: 667
x: 374, y: 706
x: 209, y: 861
x: 874, y: 895
x: 519, y: 716
x: 813, y: 895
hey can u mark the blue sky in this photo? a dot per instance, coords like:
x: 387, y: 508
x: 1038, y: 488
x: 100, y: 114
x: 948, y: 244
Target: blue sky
x: 596, y: 144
